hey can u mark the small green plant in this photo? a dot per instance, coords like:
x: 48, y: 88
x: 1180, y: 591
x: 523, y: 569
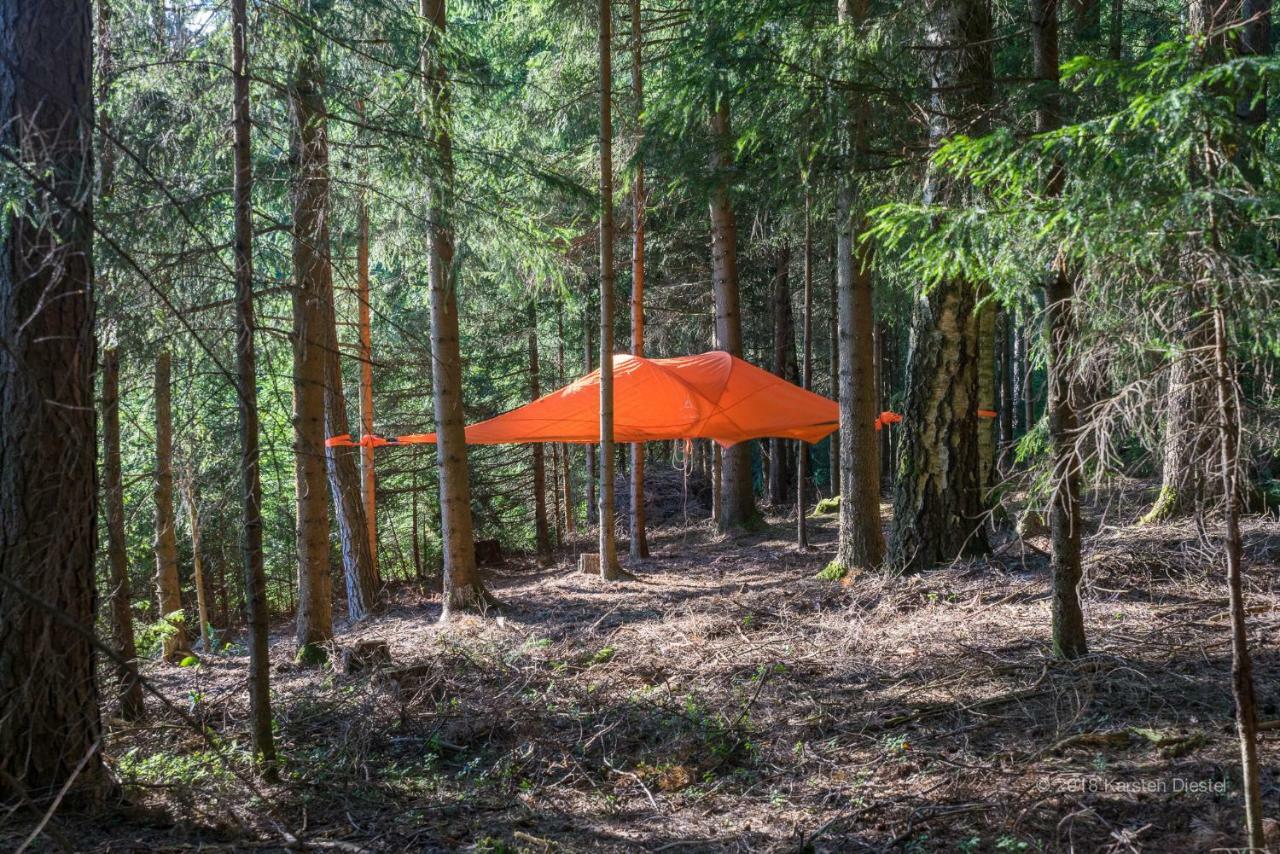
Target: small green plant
x: 833, y: 572
x: 153, y: 635
x: 827, y: 506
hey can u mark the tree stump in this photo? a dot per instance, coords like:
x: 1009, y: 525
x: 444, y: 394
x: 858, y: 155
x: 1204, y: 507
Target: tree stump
x: 366, y: 655
x: 589, y: 563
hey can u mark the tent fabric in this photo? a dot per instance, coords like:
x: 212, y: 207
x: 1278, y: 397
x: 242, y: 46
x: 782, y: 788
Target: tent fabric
x: 709, y: 396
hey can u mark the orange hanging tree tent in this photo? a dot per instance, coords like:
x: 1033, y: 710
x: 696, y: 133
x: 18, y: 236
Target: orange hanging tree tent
x: 709, y: 396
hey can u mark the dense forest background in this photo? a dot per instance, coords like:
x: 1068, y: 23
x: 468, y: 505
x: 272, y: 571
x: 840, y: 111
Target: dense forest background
x: 1044, y: 233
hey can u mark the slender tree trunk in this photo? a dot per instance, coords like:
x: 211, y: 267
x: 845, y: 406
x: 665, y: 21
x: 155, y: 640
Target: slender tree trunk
x: 132, y: 707
x: 717, y: 492
x: 542, y: 536
x: 51, y: 731
x: 609, y: 568
x: 737, y: 503
x: 566, y: 456
x: 639, y: 537
x: 939, y: 500
x: 463, y: 587
x: 1007, y: 385
x: 558, y: 519
x: 1241, y: 664
x: 1116, y: 36
x: 368, y: 476
x: 255, y: 581
x: 833, y: 362
x: 418, y: 573
x: 806, y: 375
x: 589, y: 451
x: 310, y: 264
x: 177, y: 643
x: 197, y: 560
x: 784, y: 365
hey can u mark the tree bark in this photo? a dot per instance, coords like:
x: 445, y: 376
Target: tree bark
x: 781, y: 488
x: 177, y: 642
x: 833, y: 363
x: 255, y: 582
x: 542, y: 535
x: 939, y: 500
x: 310, y: 232
x: 639, y: 537
x: 197, y: 560
x: 48, y: 439
x: 589, y: 451
x: 463, y: 587
x: 609, y: 568
x: 368, y: 475
x: 132, y: 707
x: 737, y: 503
x: 566, y: 456
x: 806, y: 375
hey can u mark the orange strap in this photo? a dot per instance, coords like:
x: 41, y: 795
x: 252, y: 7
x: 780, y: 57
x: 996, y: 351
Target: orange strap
x: 987, y: 413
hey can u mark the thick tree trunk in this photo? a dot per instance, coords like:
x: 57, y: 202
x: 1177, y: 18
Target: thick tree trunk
x: 737, y: 503
x: 987, y: 413
x: 312, y: 142
x: 609, y: 568
x: 542, y: 535
x: 806, y: 375
x: 781, y: 488
x: 463, y: 587
x: 130, y: 690
x: 939, y: 500
x: 177, y: 643
x: 51, y: 732
x: 310, y: 265
x: 639, y: 537
x: 255, y: 580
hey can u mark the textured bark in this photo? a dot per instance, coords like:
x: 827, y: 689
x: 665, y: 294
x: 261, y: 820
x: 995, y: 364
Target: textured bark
x: 609, y: 568
x: 833, y: 364
x: 311, y: 131
x: 463, y: 587
x: 861, y: 544
x: 51, y: 731
x: 177, y: 643
x: 557, y: 520
x: 987, y: 402
x: 310, y: 266
x: 255, y: 581
x: 130, y: 688
x: 589, y: 451
x: 781, y: 485
x: 806, y: 375
x: 939, y: 501
x: 737, y: 504
x: 1004, y: 329
x: 639, y: 537
x: 197, y: 562
x: 542, y: 535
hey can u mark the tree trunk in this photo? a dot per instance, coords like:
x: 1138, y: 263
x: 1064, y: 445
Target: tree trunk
x: 368, y: 475
x: 345, y: 485
x: 197, y: 560
x: 48, y: 444
x: 833, y: 363
x: 1087, y: 21
x: 47, y: 436
x: 639, y: 537
x: 806, y: 375
x: 463, y: 587
x: 939, y: 500
x: 255, y: 581
x: 566, y: 456
x: 1116, y: 37
x: 987, y: 413
x: 310, y: 263
x: 781, y: 489
x: 542, y: 536
x: 1007, y: 395
x: 177, y: 642
x: 737, y: 503
x: 557, y: 518
x: 589, y: 451
x: 609, y: 568
x: 1241, y: 664
x: 132, y: 707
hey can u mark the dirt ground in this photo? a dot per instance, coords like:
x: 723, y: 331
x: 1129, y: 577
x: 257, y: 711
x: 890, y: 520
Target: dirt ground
x: 728, y: 700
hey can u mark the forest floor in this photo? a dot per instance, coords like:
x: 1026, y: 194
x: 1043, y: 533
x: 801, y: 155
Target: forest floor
x: 728, y: 700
